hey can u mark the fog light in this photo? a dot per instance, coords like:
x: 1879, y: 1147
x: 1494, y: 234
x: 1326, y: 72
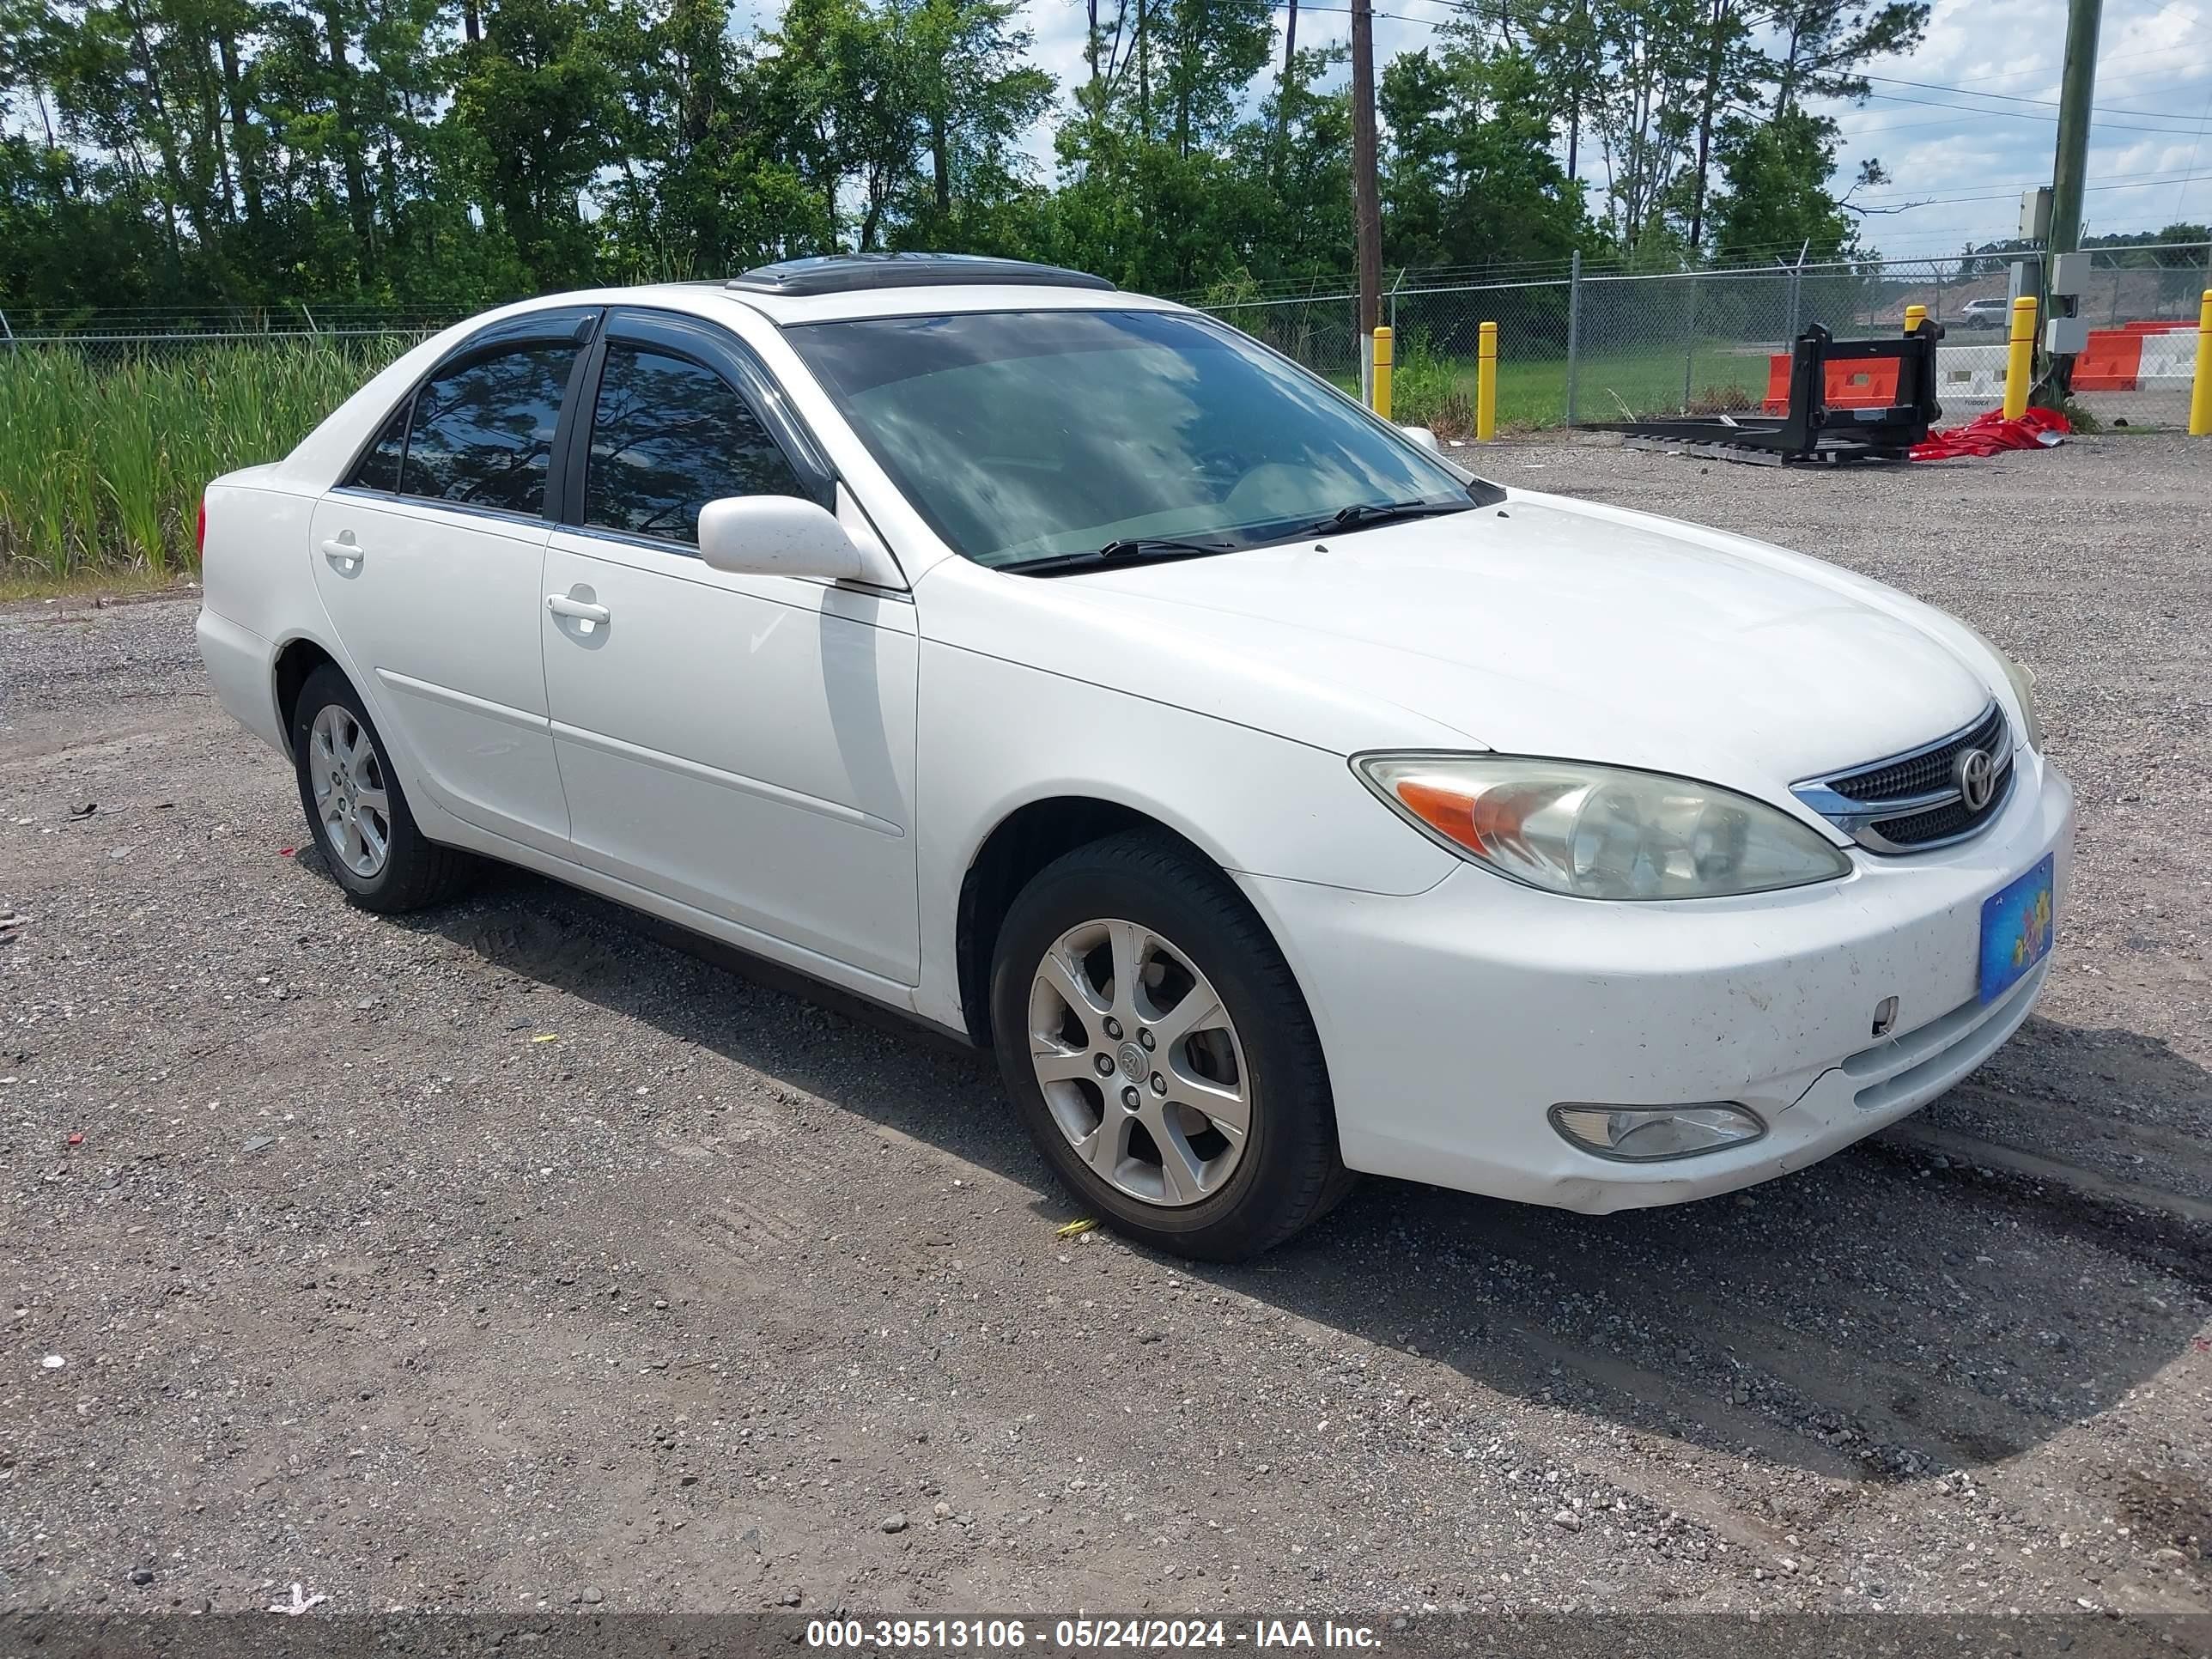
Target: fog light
x: 1648, y: 1134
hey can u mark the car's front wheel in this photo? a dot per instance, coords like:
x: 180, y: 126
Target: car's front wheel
x: 355, y: 809
x: 1161, y: 1053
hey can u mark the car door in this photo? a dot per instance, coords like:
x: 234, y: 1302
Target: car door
x: 741, y: 743
x: 429, y: 557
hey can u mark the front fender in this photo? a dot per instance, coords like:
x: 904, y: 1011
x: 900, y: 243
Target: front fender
x: 994, y: 737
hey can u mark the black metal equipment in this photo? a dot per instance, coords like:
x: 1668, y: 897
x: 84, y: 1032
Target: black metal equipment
x: 1812, y: 431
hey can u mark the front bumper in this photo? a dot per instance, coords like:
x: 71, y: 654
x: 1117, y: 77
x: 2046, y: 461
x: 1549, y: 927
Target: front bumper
x: 1454, y: 1019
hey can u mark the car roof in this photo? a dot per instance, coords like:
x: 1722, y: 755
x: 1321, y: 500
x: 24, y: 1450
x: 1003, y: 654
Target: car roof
x: 840, y: 287
x: 715, y: 300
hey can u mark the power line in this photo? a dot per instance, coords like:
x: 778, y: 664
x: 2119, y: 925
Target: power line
x: 2009, y: 195
x: 2181, y: 193
x: 2012, y: 98
x: 2152, y: 176
x: 2110, y: 182
x: 2031, y: 115
x: 1856, y: 133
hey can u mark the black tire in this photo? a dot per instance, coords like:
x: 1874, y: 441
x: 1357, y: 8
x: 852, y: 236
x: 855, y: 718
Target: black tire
x: 416, y: 870
x: 1291, y: 1174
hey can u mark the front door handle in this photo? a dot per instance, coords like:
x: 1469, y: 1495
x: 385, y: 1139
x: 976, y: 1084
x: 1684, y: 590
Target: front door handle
x: 345, y: 552
x: 586, y: 615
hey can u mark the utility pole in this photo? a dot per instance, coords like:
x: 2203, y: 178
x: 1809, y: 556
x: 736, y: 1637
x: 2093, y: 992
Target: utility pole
x: 2076, y: 91
x: 1366, y: 207
x: 2069, y: 168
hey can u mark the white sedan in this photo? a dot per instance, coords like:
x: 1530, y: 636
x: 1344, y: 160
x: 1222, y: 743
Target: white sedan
x: 1061, y: 667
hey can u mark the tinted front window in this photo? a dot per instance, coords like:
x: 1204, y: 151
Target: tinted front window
x: 483, y: 435
x: 668, y: 436
x: 1024, y: 435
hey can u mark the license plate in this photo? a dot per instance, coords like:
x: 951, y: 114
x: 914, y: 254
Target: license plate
x: 2016, y: 930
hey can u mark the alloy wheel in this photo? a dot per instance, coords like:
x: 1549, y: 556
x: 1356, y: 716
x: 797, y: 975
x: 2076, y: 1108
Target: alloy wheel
x: 1139, y: 1062
x: 347, y: 776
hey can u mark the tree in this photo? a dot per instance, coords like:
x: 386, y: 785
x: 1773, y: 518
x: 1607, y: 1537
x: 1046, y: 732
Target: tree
x: 1644, y: 110
x: 534, y: 114
x: 449, y: 153
x: 1824, y: 44
x: 1777, y: 190
x: 1727, y: 73
x: 705, y: 181
x: 977, y: 97
x: 1569, y: 53
x: 1470, y: 176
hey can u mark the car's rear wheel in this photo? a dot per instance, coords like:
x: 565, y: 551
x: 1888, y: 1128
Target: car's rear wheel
x: 1161, y: 1053
x: 355, y: 808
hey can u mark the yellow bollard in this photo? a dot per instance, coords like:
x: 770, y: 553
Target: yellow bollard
x: 2020, y: 357
x: 1485, y: 384
x: 2200, y: 398
x: 1383, y: 373
x: 1914, y: 316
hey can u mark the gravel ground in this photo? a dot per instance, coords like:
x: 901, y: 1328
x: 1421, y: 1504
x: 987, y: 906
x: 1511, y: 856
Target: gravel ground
x: 512, y: 1257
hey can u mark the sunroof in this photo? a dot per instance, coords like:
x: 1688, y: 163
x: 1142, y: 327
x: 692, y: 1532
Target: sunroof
x: 845, y: 273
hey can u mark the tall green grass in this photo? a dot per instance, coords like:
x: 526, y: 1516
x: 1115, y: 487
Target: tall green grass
x: 101, y: 463
x: 1428, y: 389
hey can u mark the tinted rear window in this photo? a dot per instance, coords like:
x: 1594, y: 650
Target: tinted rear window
x: 483, y: 434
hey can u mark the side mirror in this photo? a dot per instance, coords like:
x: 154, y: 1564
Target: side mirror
x: 1421, y: 436
x: 784, y: 536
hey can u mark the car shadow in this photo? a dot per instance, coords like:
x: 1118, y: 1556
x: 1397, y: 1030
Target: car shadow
x: 1883, y: 1315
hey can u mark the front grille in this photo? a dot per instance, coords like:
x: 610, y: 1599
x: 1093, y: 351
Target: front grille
x: 1941, y: 824
x: 1913, y: 801
x: 1927, y: 771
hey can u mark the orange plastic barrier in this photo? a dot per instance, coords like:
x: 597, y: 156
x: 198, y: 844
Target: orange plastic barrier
x: 2112, y: 361
x: 1871, y: 384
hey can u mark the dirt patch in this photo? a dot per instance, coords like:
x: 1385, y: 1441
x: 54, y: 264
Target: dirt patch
x: 353, y: 1280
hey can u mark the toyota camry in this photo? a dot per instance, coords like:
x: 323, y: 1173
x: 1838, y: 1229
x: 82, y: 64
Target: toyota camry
x: 1278, y: 799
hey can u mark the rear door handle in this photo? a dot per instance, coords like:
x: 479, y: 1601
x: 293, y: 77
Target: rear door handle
x: 345, y: 552
x: 584, y: 615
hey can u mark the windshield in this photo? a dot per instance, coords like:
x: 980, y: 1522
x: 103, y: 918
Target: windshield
x: 1023, y: 436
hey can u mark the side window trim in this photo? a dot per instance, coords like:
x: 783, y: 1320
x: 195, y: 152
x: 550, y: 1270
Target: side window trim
x: 711, y: 347
x: 591, y: 336
x: 574, y: 446
x: 579, y: 325
x: 425, y: 504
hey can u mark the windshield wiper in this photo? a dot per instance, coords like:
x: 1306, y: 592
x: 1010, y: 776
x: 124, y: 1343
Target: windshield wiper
x: 1360, y: 515
x: 1128, y: 550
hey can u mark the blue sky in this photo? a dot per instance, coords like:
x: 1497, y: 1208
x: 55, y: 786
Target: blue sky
x: 1957, y: 173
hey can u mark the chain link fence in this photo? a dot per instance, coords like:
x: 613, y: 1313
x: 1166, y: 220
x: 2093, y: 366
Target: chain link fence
x: 1577, y: 346
x: 114, y: 335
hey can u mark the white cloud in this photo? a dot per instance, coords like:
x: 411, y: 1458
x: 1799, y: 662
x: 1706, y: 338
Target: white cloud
x: 2154, y: 70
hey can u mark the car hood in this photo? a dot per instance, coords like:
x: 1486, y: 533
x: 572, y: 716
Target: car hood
x: 1542, y: 626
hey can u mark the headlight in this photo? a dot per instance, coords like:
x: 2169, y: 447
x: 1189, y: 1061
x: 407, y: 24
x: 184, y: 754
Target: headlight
x: 2023, y: 686
x: 1601, y: 832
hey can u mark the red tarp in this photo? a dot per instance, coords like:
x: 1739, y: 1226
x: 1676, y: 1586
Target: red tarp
x: 1990, y: 433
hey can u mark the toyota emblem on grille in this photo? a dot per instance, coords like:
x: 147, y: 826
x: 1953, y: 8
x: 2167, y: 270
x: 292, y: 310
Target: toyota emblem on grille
x: 1977, y: 776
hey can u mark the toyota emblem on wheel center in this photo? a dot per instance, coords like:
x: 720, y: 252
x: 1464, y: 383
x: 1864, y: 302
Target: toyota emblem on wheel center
x: 1977, y: 778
